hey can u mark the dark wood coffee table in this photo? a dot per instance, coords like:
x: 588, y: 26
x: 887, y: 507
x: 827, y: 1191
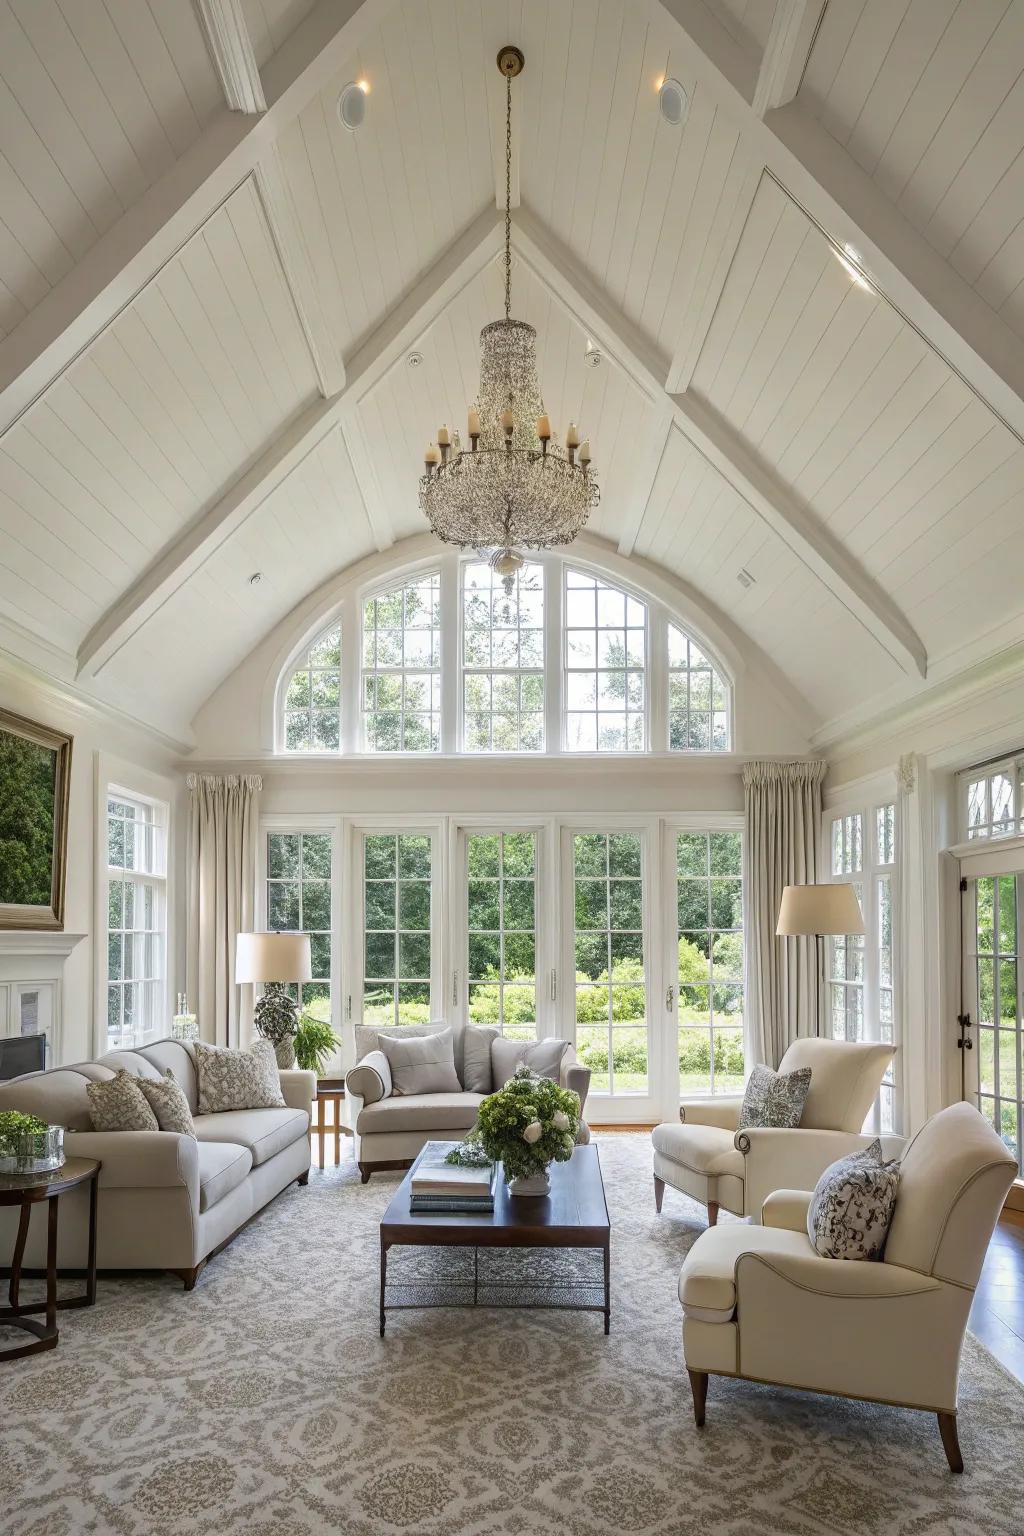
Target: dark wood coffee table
x: 573, y: 1215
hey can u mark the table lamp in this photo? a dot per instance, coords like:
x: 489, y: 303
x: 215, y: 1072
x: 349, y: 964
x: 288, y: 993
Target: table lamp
x: 275, y: 960
x: 819, y: 910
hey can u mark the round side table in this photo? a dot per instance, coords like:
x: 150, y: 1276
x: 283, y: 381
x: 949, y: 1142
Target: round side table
x: 27, y: 1190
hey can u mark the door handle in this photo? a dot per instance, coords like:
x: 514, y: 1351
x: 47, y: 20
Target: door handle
x: 670, y: 997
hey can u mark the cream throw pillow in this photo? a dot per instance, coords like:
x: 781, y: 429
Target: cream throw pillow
x: 166, y: 1098
x: 120, y: 1104
x: 422, y: 1065
x: 543, y: 1057
x: 232, y: 1079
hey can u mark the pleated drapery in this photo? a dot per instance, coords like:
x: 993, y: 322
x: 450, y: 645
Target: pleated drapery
x: 222, y: 834
x: 783, y: 831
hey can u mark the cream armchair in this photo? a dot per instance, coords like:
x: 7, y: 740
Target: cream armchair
x: 759, y: 1303
x: 707, y: 1157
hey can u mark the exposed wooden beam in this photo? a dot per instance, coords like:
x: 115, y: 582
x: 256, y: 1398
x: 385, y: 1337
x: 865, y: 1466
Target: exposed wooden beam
x: 790, y: 39
x: 816, y: 171
x: 149, y: 234
x: 227, y: 37
x: 553, y: 265
x: 383, y: 350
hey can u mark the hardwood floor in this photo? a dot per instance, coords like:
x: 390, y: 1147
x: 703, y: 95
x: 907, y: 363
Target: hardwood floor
x: 997, y: 1315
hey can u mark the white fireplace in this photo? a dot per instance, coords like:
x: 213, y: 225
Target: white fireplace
x: 32, y: 985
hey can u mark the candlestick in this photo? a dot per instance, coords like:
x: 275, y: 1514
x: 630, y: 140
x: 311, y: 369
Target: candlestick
x: 508, y: 423
x: 474, y: 422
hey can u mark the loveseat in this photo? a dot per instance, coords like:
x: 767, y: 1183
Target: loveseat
x: 166, y: 1201
x: 389, y: 1129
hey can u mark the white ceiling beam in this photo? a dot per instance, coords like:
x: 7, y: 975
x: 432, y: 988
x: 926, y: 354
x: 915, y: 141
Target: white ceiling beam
x: 155, y: 228
x: 804, y: 533
x: 829, y: 185
x: 289, y: 241
x: 644, y: 469
x: 715, y: 266
x: 786, y: 52
x: 230, y: 45
x: 383, y: 350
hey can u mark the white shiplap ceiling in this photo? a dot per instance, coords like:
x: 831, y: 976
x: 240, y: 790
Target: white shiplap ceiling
x: 244, y: 402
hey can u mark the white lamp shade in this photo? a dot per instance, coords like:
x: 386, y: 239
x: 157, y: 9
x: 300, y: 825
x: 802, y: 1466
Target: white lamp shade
x: 273, y: 957
x: 807, y: 909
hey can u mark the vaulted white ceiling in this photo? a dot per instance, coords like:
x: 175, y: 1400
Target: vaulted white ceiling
x: 206, y: 314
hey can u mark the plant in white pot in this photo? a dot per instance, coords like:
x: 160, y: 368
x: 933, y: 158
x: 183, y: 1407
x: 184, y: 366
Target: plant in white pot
x: 526, y: 1126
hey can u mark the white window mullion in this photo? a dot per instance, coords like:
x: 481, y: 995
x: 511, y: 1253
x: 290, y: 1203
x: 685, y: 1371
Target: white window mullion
x: 554, y: 656
x: 451, y: 656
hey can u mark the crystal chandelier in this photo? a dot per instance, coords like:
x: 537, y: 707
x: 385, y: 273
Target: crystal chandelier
x: 516, y: 486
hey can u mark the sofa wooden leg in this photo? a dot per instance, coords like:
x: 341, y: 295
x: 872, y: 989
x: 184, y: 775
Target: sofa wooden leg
x: 659, y: 1193
x: 699, y: 1388
x: 364, y: 1172
x: 712, y: 1213
x: 303, y: 1178
x: 950, y: 1441
x: 188, y: 1277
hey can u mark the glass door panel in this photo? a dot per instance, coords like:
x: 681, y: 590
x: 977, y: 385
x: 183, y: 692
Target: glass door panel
x: 397, y: 880
x: 501, y: 920
x: 993, y: 1068
x: 709, y: 956
x: 610, y: 979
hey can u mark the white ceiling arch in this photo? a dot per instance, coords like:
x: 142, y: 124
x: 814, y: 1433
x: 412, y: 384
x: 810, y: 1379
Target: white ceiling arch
x: 759, y: 416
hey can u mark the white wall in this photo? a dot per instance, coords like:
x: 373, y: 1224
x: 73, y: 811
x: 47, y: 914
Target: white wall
x: 136, y: 760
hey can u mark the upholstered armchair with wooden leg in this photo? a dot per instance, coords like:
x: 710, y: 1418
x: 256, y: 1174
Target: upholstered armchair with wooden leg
x: 707, y: 1157
x: 760, y: 1303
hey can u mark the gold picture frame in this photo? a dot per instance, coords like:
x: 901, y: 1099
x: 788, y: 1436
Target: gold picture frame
x: 35, y: 784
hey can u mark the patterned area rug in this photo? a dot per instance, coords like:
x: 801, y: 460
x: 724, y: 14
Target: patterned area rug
x: 265, y: 1404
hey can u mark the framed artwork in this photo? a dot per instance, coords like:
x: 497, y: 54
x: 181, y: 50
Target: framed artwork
x: 35, y: 780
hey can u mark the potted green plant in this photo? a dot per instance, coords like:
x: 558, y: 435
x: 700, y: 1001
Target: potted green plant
x: 314, y: 1041
x: 275, y: 1019
x: 526, y: 1126
x: 28, y: 1144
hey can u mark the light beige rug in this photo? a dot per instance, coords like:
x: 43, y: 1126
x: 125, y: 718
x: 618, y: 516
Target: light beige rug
x: 265, y: 1404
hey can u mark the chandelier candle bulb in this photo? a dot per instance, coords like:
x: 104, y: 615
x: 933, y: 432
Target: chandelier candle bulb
x: 585, y: 451
x: 474, y: 422
x: 431, y: 458
x: 572, y: 437
x: 543, y: 428
x: 443, y: 440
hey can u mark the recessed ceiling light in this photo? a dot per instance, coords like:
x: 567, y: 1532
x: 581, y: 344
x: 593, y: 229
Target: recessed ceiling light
x: 352, y: 105
x: 673, y: 102
x: 255, y: 578
x: 414, y: 359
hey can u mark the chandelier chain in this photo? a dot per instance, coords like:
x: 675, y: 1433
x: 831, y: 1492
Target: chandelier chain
x: 508, y: 197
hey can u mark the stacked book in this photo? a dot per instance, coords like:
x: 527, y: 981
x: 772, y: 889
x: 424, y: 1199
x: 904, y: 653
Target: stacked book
x: 439, y: 1186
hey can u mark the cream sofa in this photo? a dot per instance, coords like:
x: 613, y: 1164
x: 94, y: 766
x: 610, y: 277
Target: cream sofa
x: 759, y: 1302
x: 388, y: 1130
x: 165, y: 1201
x: 707, y: 1157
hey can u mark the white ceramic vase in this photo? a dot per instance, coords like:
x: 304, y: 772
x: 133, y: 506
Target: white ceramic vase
x: 536, y: 1184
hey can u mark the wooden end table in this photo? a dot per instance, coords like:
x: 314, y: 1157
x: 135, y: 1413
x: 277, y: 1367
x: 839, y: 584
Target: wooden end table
x: 573, y: 1215
x: 27, y: 1190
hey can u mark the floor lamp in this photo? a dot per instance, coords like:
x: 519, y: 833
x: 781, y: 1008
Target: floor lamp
x: 819, y: 910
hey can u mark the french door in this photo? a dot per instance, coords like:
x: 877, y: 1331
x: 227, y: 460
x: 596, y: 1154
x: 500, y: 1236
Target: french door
x: 992, y: 1031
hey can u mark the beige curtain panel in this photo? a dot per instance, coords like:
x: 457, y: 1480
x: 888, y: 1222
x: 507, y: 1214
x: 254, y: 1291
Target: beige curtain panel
x: 223, y: 829
x: 783, y: 830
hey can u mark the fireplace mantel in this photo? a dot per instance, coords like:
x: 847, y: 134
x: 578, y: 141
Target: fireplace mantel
x: 32, y: 983
x: 36, y: 941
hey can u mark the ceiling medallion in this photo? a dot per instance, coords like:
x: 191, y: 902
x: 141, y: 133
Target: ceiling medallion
x: 516, y: 486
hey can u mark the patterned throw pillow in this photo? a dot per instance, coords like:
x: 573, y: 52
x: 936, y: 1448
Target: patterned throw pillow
x: 852, y: 1205
x: 120, y: 1105
x: 166, y: 1098
x: 231, y: 1079
x: 775, y: 1098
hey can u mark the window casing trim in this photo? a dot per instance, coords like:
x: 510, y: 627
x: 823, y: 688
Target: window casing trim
x: 665, y: 605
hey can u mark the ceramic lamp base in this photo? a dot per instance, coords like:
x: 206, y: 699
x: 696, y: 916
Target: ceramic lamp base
x: 536, y: 1184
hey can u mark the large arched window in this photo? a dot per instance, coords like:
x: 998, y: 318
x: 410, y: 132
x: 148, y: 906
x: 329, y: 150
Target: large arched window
x: 569, y: 660
x: 401, y: 693
x: 312, y: 701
